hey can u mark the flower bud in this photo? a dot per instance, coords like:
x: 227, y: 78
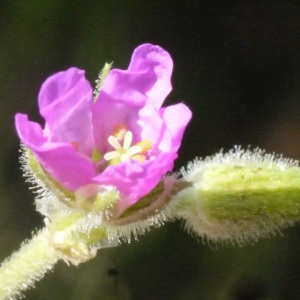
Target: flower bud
x: 239, y: 196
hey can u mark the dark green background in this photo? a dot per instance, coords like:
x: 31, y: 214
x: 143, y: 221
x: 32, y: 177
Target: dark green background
x: 237, y: 66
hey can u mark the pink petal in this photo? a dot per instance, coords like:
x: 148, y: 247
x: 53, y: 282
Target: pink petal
x: 147, y: 78
x: 176, y: 117
x: 65, y: 101
x: 135, y: 179
x: 107, y: 113
x: 150, y: 57
x: 60, y: 160
x: 151, y: 125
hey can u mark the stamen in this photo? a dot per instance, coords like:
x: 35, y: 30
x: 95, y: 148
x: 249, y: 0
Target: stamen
x: 145, y: 145
x: 122, y: 153
x: 139, y: 157
x: 111, y: 155
x: 114, y: 142
x: 134, y: 150
x: 127, y: 140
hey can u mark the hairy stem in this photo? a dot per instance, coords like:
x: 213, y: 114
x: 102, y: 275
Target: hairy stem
x: 19, y: 272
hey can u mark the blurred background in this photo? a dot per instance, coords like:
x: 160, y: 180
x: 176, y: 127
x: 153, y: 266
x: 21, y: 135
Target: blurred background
x: 237, y: 66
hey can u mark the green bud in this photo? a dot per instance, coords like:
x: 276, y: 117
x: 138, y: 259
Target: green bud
x: 239, y: 196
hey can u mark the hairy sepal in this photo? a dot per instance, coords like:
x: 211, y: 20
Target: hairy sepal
x: 239, y: 196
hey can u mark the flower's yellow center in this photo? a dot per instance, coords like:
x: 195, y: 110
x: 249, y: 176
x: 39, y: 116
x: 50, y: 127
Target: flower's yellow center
x: 121, y: 141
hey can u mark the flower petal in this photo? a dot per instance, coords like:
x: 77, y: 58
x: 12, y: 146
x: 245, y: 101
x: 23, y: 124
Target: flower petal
x: 61, y: 160
x: 135, y: 179
x: 65, y: 101
x: 147, y: 78
x: 176, y: 117
x: 151, y: 58
x: 107, y: 114
x: 125, y: 93
x: 151, y: 126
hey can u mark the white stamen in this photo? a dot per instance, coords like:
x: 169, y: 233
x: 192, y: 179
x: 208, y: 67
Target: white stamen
x: 111, y: 155
x: 122, y: 153
x: 127, y: 140
x: 114, y: 142
x: 133, y: 150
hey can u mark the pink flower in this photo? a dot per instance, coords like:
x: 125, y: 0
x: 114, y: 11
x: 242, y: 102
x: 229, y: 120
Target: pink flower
x: 124, y: 138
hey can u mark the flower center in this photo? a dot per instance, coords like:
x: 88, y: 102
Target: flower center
x: 121, y: 141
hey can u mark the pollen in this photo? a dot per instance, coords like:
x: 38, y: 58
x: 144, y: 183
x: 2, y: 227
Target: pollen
x: 119, y: 132
x: 75, y: 145
x: 145, y: 145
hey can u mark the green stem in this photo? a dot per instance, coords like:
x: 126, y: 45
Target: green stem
x: 19, y: 272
